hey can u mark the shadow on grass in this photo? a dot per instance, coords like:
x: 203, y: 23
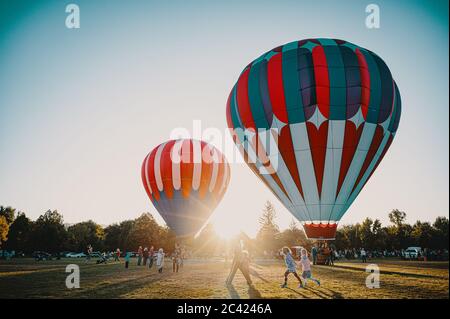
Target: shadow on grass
x: 254, y: 293
x: 232, y: 292
x: 253, y: 272
x: 119, y: 288
x: 297, y: 292
x: 391, y: 272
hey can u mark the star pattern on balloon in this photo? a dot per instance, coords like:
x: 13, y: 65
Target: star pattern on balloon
x: 358, y: 118
x: 317, y: 118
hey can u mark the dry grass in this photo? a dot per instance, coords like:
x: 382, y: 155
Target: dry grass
x: 25, y: 278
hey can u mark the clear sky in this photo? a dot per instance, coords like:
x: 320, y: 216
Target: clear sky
x: 81, y: 108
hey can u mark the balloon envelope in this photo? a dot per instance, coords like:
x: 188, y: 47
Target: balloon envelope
x: 313, y: 119
x: 185, y: 180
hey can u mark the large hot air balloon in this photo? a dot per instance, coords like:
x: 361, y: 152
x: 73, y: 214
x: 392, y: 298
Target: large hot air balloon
x: 185, y: 179
x: 330, y: 110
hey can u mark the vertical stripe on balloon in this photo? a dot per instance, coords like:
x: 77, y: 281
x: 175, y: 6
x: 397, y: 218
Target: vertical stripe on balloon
x: 365, y: 82
x: 187, y: 168
x: 275, y: 85
x: 158, y: 178
x: 166, y: 169
x: 322, y: 80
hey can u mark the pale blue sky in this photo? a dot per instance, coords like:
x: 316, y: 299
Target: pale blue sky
x: 80, y: 109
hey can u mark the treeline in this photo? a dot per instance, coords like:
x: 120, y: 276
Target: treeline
x: 48, y: 233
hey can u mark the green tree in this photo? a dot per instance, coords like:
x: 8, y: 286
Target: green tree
x: 347, y: 237
x: 268, y: 233
x: 19, y: 232
x: 294, y: 236
x: 397, y: 217
x: 441, y: 227
x: 369, y: 232
x: 423, y: 234
x: 112, y: 237
x: 399, y: 234
x: 125, y: 240
x: 83, y: 234
x: 145, y: 232
x: 48, y: 232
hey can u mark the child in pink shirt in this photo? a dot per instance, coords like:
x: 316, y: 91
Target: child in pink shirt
x: 306, y: 268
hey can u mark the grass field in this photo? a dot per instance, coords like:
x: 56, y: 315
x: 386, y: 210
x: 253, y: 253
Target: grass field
x: 26, y: 278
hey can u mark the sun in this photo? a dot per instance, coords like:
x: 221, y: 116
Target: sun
x: 226, y: 230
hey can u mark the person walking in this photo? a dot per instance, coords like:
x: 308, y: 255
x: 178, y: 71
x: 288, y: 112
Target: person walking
x: 241, y: 261
x: 140, y: 253
x: 290, y: 267
x: 306, y: 268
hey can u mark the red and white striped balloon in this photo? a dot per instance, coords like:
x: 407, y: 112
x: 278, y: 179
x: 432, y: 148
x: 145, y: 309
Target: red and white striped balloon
x: 185, y: 180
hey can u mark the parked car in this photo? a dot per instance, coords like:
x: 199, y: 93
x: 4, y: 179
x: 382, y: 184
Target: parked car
x: 413, y: 253
x: 76, y: 255
x: 95, y: 254
x: 41, y: 255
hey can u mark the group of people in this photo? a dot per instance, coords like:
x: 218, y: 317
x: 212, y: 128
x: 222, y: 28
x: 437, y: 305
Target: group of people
x: 145, y: 256
x: 241, y: 261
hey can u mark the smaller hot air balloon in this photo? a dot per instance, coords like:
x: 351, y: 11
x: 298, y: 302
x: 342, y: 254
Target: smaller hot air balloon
x: 185, y: 179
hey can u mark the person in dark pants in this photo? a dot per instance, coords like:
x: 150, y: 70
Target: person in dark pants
x: 151, y: 252
x: 140, y: 253
x: 291, y: 267
x: 332, y: 256
x: 314, y: 254
x: 241, y: 261
x: 127, y: 259
x: 145, y: 256
x: 363, y: 255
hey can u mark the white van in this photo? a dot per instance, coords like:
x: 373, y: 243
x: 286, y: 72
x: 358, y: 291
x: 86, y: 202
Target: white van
x: 413, y: 252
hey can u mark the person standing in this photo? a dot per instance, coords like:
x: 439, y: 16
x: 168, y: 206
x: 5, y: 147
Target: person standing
x: 314, y: 254
x: 160, y: 260
x: 145, y: 256
x: 175, y: 259
x: 151, y: 252
x: 140, y: 253
x: 332, y: 255
x: 117, y: 255
x: 127, y: 259
x: 88, y: 253
x: 363, y: 255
